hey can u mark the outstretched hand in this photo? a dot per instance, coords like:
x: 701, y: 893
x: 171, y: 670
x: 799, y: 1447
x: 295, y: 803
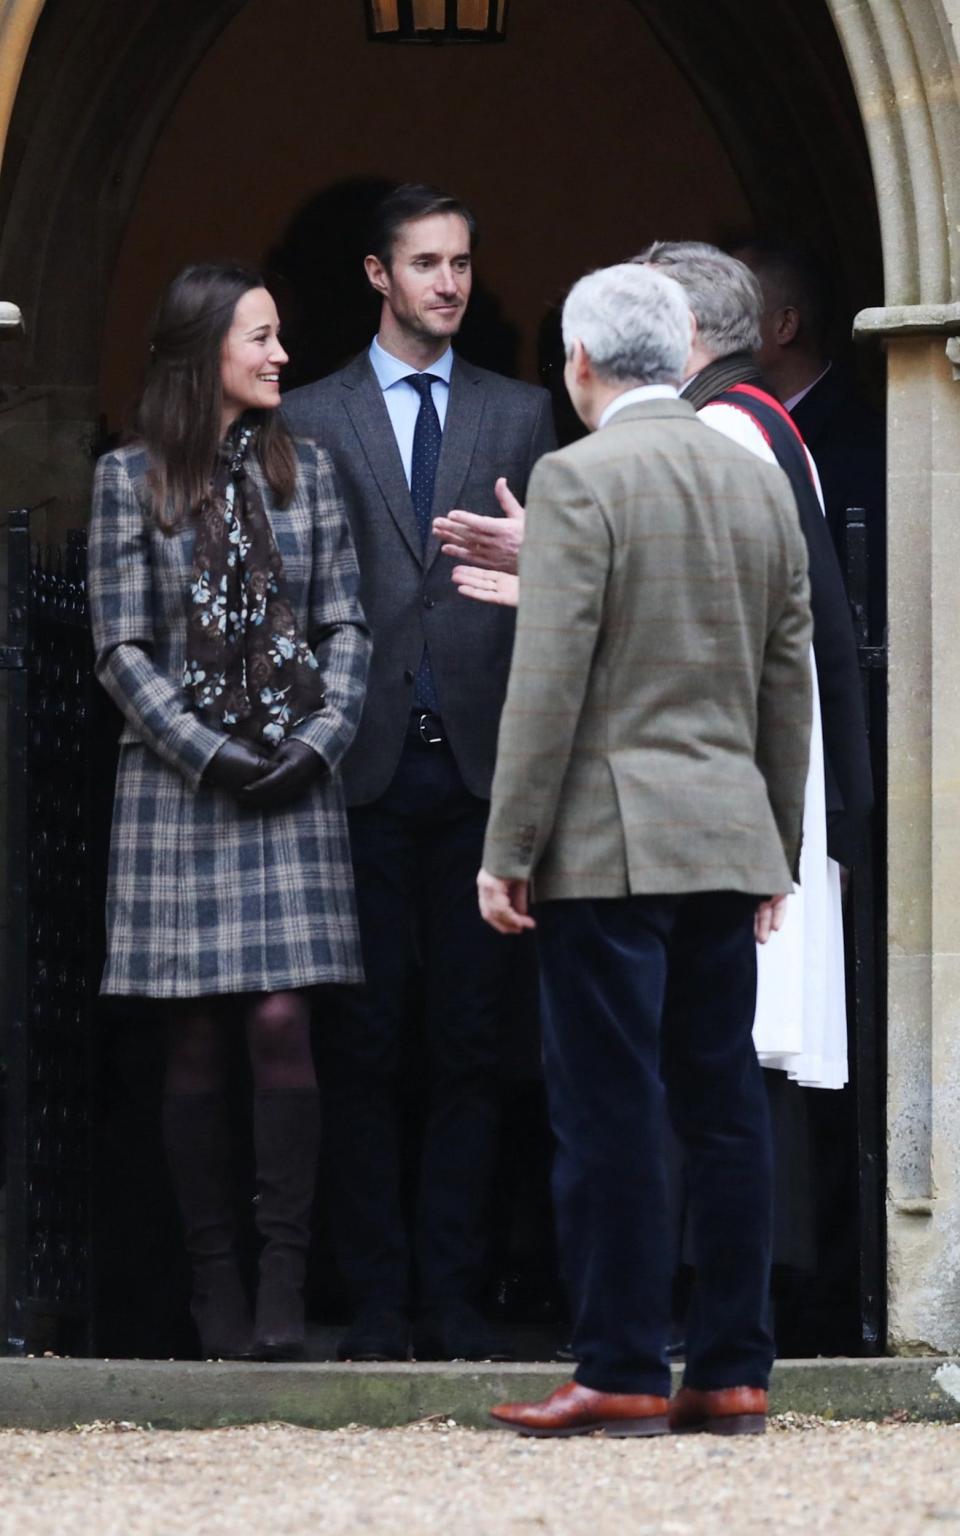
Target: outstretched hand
x: 487, y: 586
x: 293, y: 769
x: 769, y: 917
x: 492, y: 543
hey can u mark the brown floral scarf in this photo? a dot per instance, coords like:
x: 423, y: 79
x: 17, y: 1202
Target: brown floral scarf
x: 248, y: 671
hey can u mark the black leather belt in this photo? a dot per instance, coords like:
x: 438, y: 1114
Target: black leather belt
x: 429, y: 726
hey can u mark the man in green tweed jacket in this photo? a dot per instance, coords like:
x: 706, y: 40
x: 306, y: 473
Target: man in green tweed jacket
x: 648, y: 799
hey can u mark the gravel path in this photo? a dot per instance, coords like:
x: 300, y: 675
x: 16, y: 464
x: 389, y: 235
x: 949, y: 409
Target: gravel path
x: 878, y: 1480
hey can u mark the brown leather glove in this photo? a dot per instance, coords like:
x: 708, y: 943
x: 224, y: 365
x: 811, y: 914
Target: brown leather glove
x: 235, y: 765
x: 293, y: 769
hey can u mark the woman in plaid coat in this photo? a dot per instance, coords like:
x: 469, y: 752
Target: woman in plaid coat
x: 223, y: 594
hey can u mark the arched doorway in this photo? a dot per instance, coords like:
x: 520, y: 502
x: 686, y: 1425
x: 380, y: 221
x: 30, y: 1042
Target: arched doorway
x: 96, y: 102
x: 67, y: 196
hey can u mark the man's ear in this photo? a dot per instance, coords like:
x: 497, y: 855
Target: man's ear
x: 580, y: 362
x: 786, y: 325
x: 697, y: 357
x: 377, y: 275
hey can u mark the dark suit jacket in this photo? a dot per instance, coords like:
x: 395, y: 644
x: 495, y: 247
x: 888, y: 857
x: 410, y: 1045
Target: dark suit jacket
x: 848, y: 780
x: 848, y: 441
x: 494, y: 426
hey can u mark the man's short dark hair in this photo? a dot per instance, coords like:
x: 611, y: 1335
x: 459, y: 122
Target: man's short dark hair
x: 801, y: 278
x: 413, y: 200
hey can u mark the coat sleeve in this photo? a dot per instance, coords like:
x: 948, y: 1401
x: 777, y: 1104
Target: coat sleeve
x: 120, y: 594
x: 564, y: 567
x: 338, y: 632
x: 785, y: 699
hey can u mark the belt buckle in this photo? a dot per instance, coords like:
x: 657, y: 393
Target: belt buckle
x: 431, y: 734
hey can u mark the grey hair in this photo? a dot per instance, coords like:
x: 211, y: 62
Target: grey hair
x: 634, y: 324
x: 722, y: 292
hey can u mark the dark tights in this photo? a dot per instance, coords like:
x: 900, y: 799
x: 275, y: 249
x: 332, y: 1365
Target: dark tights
x: 278, y: 1040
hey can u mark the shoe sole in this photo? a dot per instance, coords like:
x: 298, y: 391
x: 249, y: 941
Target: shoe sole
x: 372, y: 1357
x: 733, y: 1424
x: 276, y: 1351
x: 624, y: 1429
x: 435, y: 1358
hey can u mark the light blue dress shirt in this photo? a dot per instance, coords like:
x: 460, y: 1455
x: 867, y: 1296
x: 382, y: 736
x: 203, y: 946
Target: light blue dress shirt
x: 402, y: 401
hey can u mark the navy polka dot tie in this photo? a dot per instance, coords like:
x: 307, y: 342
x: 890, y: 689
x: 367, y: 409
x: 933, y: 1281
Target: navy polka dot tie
x: 427, y: 437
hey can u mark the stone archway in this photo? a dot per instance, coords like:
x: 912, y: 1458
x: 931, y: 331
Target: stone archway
x: 98, y: 84
x: 776, y: 88
x: 17, y: 24
x: 903, y: 58
x: 85, y: 92
x: 82, y: 121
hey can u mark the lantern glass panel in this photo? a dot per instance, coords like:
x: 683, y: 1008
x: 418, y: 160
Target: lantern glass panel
x: 473, y: 15
x: 436, y: 21
x: 429, y: 15
x: 386, y: 16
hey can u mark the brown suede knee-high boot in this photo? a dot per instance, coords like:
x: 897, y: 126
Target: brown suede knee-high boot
x: 286, y: 1127
x: 196, y: 1136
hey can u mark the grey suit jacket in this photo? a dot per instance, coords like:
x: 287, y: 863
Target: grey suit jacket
x: 655, y: 737
x: 494, y: 426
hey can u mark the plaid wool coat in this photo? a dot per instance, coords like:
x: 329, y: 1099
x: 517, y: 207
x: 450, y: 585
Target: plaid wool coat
x: 205, y: 897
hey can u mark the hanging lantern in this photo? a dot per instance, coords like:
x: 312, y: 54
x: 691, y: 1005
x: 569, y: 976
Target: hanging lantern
x: 437, y: 21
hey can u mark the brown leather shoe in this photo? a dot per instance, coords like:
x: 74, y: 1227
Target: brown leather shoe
x: 577, y: 1410
x: 727, y: 1411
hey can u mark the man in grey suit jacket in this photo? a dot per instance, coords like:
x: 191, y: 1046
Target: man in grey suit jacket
x: 414, y: 431
x: 649, y: 791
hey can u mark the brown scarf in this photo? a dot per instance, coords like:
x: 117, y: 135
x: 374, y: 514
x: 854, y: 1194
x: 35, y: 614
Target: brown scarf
x: 248, y: 671
x: 720, y: 375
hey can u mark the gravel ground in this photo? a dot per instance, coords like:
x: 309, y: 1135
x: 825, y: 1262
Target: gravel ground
x: 819, y: 1478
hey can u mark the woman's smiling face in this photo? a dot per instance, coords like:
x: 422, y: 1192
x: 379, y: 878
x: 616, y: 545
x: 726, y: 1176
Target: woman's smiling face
x: 252, y: 357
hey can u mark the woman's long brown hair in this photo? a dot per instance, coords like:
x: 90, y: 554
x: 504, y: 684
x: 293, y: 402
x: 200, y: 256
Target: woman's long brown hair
x: 179, y: 415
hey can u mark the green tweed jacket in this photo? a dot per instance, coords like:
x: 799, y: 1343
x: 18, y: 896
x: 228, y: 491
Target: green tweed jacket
x: 655, y: 736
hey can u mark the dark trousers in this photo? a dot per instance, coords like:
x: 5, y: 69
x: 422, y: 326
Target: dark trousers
x: 648, y: 1007
x: 416, y: 853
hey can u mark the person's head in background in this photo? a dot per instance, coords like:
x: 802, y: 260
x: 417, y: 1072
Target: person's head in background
x: 723, y: 295
x: 797, y: 314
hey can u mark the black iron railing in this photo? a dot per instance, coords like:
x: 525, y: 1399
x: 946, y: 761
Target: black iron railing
x: 54, y: 909
x: 867, y: 918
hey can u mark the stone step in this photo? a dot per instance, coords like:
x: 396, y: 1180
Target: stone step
x: 175, y: 1394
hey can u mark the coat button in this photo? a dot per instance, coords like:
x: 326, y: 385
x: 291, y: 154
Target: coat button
x: 428, y: 602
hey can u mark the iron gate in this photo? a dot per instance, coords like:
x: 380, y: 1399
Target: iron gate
x: 868, y: 950
x: 56, y: 793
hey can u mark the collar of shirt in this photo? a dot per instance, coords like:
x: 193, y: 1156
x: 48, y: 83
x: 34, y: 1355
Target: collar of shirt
x: 402, y: 400
x: 635, y: 397
x: 392, y: 370
x: 802, y: 394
